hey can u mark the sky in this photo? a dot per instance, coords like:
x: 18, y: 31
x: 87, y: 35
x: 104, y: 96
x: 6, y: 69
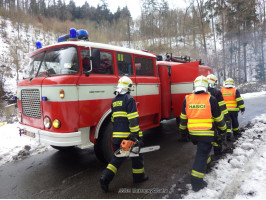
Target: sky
x: 239, y: 175
x: 134, y: 6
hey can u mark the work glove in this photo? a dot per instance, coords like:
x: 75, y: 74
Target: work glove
x: 195, y: 142
x: 140, y: 141
x: 133, y: 136
x: 184, y: 136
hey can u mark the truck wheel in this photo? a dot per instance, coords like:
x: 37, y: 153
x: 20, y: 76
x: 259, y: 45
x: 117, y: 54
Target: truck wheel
x: 62, y: 148
x: 103, y: 147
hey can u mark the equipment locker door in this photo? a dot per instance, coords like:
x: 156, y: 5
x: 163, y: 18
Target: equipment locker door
x: 182, y: 78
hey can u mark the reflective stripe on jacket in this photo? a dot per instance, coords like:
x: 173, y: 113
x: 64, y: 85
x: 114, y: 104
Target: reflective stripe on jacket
x: 198, y: 110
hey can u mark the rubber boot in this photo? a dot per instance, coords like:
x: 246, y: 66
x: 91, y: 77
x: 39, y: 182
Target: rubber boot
x: 229, y: 138
x: 236, y: 134
x: 198, y: 184
x: 104, y: 181
x: 138, y: 178
x: 217, y: 150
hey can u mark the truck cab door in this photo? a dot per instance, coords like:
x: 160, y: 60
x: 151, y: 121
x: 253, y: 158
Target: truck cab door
x: 182, y: 78
x: 148, y: 92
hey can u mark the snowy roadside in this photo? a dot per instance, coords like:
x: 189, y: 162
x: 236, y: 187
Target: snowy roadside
x: 16, y: 147
x: 242, y: 174
x: 239, y: 175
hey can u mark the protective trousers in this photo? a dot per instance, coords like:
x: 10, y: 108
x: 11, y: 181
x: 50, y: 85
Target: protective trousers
x: 112, y: 167
x: 234, y: 121
x: 200, y: 164
x: 217, y: 148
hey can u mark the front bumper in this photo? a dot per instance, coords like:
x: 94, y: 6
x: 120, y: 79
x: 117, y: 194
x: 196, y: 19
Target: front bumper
x: 79, y: 138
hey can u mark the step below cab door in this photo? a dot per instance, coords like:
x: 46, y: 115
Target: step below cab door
x: 182, y: 78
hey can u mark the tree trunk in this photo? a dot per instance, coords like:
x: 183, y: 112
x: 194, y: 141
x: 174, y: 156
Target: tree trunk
x: 231, y: 58
x: 239, y: 57
x: 202, y: 27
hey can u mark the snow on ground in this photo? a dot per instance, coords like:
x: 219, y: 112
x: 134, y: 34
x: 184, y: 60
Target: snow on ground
x: 240, y: 175
x: 15, y: 147
x: 253, y: 94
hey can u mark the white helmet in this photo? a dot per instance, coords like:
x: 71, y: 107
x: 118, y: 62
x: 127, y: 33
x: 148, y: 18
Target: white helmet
x: 229, y: 82
x: 200, y: 84
x: 125, y: 84
x: 212, y: 80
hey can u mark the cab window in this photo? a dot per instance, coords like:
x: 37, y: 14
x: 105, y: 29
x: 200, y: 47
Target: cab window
x: 59, y: 61
x: 105, y: 66
x: 35, y: 62
x: 124, y: 64
x: 144, y: 66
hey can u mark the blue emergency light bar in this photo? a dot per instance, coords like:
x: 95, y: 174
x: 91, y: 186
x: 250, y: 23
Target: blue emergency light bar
x: 63, y: 38
x: 38, y: 45
x: 73, y: 35
x: 83, y: 34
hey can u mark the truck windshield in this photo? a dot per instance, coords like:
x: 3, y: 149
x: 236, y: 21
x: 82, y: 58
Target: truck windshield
x: 60, y: 61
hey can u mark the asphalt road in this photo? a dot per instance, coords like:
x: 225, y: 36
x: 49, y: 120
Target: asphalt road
x: 75, y: 174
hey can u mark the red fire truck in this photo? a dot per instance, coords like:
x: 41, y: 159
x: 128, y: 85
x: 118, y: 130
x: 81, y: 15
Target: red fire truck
x: 65, y: 100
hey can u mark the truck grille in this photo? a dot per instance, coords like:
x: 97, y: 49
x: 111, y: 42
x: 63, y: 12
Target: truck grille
x: 31, y: 106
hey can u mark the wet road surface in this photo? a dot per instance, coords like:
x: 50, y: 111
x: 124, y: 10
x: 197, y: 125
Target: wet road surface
x: 75, y: 174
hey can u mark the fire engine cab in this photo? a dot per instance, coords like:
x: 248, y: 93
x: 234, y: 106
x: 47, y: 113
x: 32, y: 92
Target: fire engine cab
x: 65, y: 101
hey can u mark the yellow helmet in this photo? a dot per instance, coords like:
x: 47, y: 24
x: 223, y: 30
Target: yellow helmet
x: 229, y: 82
x: 212, y: 80
x: 125, y: 83
x: 200, y: 84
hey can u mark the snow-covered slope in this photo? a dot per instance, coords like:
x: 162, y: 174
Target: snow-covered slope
x: 21, y: 40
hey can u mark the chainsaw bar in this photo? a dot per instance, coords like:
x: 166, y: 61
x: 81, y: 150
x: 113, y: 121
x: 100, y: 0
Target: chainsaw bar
x: 134, y: 152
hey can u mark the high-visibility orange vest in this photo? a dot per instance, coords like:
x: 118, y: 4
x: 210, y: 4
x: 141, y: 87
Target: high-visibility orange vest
x: 229, y: 95
x: 198, y: 110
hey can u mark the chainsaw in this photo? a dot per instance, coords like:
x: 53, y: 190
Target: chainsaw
x: 130, y: 148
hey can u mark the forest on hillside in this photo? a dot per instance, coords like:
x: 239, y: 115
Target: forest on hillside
x: 228, y: 35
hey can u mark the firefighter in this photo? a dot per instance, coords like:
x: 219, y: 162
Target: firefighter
x: 212, y: 84
x: 200, y: 112
x: 125, y: 120
x: 234, y: 103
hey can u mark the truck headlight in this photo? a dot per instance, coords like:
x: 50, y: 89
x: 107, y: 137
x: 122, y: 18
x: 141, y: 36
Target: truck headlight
x: 62, y: 94
x: 47, y: 122
x: 56, y: 123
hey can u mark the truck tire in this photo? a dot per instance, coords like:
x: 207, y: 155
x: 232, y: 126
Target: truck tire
x: 103, y: 147
x: 63, y: 148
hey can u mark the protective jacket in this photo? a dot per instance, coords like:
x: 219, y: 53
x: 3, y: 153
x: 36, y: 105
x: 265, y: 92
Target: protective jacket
x: 125, y: 117
x: 198, y: 114
x: 218, y: 95
x: 232, y: 98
